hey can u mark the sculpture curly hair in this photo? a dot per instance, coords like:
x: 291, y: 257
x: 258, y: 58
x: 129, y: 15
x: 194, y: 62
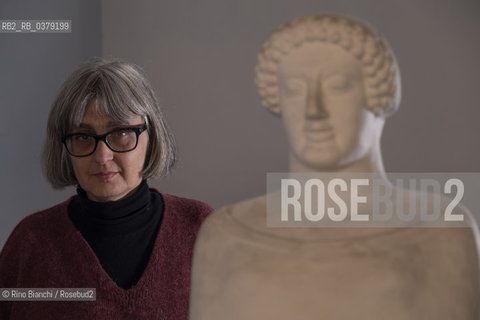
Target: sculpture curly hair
x: 380, y: 69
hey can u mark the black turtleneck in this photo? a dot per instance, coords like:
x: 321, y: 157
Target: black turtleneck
x: 121, y: 233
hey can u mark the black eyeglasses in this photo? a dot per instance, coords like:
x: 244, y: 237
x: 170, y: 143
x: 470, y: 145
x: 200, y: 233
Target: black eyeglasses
x: 118, y: 140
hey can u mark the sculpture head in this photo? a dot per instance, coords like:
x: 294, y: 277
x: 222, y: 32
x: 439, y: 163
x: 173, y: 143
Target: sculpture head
x: 333, y: 80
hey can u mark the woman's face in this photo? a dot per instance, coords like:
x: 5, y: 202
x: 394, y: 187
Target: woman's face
x: 106, y: 175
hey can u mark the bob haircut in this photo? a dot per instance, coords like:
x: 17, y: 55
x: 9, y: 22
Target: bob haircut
x: 122, y: 92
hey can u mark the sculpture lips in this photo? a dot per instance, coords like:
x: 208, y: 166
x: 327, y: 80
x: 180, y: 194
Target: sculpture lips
x: 317, y: 126
x: 319, y: 136
x: 318, y: 131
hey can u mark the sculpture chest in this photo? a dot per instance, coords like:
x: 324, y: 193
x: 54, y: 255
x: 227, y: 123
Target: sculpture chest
x: 393, y: 275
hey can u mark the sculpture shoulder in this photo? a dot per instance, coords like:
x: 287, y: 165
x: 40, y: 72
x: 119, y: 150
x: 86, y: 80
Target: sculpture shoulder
x: 249, y: 211
x: 237, y: 216
x: 449, y: 244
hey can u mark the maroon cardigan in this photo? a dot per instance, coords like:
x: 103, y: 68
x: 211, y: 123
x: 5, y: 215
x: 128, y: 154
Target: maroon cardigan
x: 45, y: 250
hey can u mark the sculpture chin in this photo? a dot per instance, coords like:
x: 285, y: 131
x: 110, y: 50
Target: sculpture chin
x: 327, y: 155
x: 318, y: 156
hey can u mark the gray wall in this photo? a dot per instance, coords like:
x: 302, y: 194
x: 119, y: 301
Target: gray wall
x: 200, y: 57
x: 32, y: 68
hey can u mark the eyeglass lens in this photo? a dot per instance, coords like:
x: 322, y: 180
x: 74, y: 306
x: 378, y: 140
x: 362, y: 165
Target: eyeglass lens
x: 119, y: 140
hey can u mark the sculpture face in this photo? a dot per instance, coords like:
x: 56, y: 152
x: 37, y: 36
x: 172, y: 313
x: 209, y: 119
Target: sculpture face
x: 323, y: 106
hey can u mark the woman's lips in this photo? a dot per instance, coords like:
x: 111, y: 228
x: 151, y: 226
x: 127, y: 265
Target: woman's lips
x: 105, y: 176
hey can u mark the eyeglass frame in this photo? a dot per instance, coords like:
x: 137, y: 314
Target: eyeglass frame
x: 103, y: 137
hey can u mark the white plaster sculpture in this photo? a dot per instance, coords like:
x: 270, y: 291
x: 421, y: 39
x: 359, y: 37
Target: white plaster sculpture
x: 332, y: 80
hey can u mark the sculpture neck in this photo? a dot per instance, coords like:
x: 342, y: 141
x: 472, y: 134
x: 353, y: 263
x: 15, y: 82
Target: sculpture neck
x: 371, y: 163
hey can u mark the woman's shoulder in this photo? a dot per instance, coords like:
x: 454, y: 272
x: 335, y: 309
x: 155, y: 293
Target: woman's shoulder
x: 177, y: 202
x: 46, y: 216
x: 40, y: 222
x: 189, y: 208
x: 32, y: 237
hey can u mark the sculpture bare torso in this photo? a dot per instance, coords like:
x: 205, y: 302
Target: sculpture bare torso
x: 333, y: 81
x: 249, y: 271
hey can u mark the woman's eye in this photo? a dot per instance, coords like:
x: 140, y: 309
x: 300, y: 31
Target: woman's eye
x: 121, y: 133
x: 82, y: 137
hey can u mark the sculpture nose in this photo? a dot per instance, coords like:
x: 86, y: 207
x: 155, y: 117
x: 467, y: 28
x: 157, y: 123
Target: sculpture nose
x: 315, y: 108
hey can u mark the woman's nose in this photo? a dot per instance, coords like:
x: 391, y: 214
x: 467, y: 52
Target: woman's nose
x: 103, y: 153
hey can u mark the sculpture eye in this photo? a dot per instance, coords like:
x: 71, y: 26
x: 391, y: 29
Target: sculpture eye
x: 295, y: 86
x: 338, y: 82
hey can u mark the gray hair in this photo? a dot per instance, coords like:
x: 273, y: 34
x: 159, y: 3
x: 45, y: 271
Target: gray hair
x: 122, y: 92
x: 380, y: 69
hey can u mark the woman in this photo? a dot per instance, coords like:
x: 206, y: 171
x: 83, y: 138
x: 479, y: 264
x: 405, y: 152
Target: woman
x: 107, y: 135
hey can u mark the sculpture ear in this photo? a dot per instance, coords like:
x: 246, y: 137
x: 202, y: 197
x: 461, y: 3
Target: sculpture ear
x: 271, y: 103
x: 275, y: 109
